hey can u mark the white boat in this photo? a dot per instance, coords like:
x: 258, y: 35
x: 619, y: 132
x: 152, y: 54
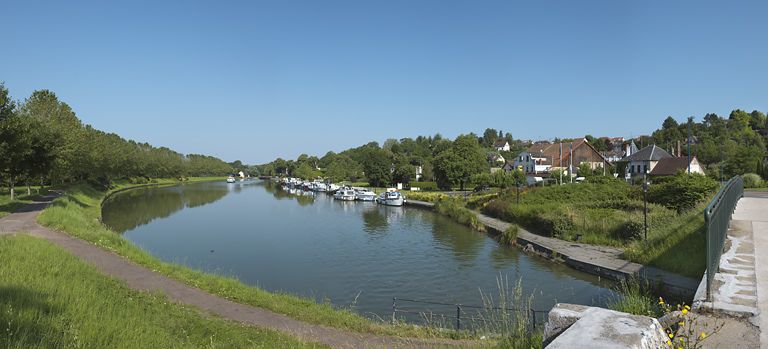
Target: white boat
x: 365, y: 195
x: 391, y: 198
x: 345, y: 195
x: 230, y: 179
x: 332, y: 188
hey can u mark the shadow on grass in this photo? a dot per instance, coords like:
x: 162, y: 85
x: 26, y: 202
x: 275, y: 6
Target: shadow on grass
x: 24, y: 315
x: 688, y: 256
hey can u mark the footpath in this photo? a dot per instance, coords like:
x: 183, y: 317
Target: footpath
x: 139, y: 278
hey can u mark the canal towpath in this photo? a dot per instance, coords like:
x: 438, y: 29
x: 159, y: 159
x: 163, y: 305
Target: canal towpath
x: 24, y: 221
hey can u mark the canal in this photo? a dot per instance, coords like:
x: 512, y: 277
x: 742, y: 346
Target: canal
x: 352, y: 254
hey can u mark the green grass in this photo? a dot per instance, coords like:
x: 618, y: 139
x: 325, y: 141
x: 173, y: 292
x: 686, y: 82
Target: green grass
x: 610, y: 214
x: 455, y: 208
x: 424, y: 196
x: 634, y: 298
x: 78, y: 213
x: 51, y: 299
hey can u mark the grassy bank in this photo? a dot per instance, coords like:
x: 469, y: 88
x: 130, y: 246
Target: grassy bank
x: 610, y: 214
x: 78, y: 213
x: 50, y: 299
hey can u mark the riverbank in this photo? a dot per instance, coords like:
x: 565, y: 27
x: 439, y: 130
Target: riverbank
x: 97, y: 311
x: 598, y: 260
x: 78, y: 214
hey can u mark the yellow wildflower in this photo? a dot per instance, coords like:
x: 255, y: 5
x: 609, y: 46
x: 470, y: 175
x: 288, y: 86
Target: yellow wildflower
x: 681, y: 323
x: 661, y: 301
x: 685, y: 311
x: 669, y: 342
x: 703, y: 335
x: 671, y: 335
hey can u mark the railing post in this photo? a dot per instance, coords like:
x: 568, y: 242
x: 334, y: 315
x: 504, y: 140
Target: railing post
x: 458, y: 317
x: 533, y: 312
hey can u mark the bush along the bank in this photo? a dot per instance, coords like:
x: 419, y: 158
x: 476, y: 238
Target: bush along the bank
x: 509, y: 236
x: 454, y: 208
x: 682, y: 191
x: 425, y: 186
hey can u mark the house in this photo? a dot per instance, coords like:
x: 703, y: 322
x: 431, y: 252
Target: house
x: 501, y: 145
x: 543, y: 157
x: 617, y: 153
x: 644, y: 160
x: 496, y: 158
x: 673, y: 165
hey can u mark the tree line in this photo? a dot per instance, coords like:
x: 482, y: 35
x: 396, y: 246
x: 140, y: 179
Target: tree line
x: 724, y: 146
x: 43, y: 141
x: 730, y: 146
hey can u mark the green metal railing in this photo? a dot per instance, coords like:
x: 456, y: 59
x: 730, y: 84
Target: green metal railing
x: 717, y: 217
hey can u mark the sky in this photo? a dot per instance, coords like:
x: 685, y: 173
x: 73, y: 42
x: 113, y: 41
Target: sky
x: 256, y: 80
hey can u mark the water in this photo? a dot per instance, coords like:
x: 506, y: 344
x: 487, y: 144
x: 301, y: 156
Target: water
x: 352, y: 254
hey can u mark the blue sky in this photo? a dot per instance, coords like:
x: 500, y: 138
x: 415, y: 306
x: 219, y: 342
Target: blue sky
x: 254, y: 80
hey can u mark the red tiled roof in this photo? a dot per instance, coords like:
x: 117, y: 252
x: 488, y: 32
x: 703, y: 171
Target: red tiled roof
x: 670, y: 166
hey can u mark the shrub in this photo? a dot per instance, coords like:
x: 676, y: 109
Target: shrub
x: 630, y: 230
x: 509, y: 236
x: 752, y: 180
x: 682, y: 192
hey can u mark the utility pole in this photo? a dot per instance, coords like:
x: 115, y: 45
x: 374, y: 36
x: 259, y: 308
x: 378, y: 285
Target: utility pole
x: 690, y: 120
x: 570, y: 161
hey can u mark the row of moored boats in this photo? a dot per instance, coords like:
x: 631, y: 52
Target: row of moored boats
x: 391, y: 197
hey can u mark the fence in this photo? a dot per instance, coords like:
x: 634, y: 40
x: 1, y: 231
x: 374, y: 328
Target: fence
x: 484, y: 318
x: 717, y: 216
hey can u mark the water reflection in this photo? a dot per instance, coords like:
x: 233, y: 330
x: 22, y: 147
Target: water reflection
x: 374, y: 221
x: 464, y: 245
x: 140, y: 206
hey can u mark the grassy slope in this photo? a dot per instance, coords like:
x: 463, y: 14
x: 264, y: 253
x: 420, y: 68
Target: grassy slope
x: 78, y: 213
x: 598, y: 212
x: 50, y: 299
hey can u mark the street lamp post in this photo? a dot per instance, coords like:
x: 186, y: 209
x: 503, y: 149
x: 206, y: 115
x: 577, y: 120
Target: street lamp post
x: 645, y: 206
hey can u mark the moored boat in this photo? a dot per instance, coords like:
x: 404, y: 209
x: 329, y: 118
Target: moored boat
x: 362, y: 194
x: 231, y: 179
x: 345, y: 195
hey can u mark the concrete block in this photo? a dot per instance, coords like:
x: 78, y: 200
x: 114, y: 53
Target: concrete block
x: 600, y: 328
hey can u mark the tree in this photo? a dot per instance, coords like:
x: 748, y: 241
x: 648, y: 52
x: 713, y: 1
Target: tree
x: 490, y: 136
x: 458, y: 163
x: 343, y: 168
x: 403, y: 172
x: 377, y: 165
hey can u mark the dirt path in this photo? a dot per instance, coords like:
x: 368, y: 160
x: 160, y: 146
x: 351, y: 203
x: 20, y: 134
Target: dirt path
x: 140, y: 278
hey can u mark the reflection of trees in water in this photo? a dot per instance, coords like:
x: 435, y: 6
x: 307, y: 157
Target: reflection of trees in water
x: 126, y: 211
x: 278, y: 192
x: 374, y: 221
x: 464, y: 243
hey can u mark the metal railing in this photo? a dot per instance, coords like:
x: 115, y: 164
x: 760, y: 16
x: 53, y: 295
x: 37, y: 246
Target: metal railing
x: 717, y: 217
x: 463, y: 320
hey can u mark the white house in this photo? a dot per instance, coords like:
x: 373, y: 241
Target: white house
x: 501, y: 145
x: 644, y: 160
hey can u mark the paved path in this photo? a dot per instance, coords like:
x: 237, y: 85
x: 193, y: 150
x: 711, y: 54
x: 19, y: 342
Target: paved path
x: 752, y: 210
x: 600, y: 260
x: 140, y: 278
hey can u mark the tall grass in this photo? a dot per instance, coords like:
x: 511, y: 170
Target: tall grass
x: 634, y: 298
x: 454, y: 208
x: 50, y: 299
x: 78, y: 213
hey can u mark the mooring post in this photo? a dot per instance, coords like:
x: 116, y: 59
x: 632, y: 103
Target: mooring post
x: 458, y: 317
